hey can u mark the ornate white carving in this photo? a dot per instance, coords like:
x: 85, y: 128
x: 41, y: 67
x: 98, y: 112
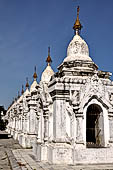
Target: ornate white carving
x: 111, y: 98
x: 25, y: 105
x: 93, y: 86
x: 74, y: 97
x: 69, y: 109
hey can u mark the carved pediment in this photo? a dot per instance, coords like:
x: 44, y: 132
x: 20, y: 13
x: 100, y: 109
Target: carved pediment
x: 103, y: 101
x: 93, y: 86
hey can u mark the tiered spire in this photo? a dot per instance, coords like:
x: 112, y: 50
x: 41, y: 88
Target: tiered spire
x: 27, y: 84
x: 49, y: 60
x: 35, y: 74
x: 77, y: 26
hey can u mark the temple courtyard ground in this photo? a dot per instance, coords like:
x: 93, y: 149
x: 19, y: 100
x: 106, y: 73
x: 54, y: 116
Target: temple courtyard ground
x: 14, y: 157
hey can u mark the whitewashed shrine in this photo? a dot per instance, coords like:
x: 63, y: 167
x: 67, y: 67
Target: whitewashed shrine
x: 68, y: 116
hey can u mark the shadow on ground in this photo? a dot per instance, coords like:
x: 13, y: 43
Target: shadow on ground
x: 4, y: 135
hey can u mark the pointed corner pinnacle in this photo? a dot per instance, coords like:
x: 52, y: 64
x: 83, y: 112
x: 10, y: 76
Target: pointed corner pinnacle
x: 77, y: 26
x: 35, y: 74
x: 49, y: 60
x: 27, y: 84
x: 22, y: 89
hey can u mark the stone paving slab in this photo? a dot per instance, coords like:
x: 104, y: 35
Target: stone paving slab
x: 27, y: 161
x: 14, y: 157
x: 7, y: 159
x: 13, y: 162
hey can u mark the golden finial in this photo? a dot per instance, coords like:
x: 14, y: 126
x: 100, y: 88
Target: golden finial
x: 27, y: 84
x: 49, y: 60
x: 22, y: 89
x: 77, y: 26
x: 35, y: 75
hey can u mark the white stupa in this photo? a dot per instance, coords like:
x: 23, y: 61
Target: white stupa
x: 48, y: 72
x: 78, y: 48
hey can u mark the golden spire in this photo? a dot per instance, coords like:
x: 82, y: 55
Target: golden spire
x: 49, y: 60
x: 27, y: 84
x: 22, y: 89
x: 77, y: 26
x: 35, y: 75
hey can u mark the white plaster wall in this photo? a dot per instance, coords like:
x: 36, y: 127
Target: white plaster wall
x: 68, y: 124
x: 32, y: 121
x: 51, y: 123
x: 74, y: 128
x: 42, y: 128
x: 59, y: 119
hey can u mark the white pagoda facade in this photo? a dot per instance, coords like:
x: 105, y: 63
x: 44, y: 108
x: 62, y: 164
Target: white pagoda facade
x: 68, y: 116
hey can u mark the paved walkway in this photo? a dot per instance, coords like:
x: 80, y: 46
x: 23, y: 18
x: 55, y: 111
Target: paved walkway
x: 6, y: 156
x: 26, y: 160
x: 13, y: 157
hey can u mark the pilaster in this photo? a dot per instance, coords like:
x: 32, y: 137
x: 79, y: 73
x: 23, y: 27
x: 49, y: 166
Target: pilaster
x: 79, y: 129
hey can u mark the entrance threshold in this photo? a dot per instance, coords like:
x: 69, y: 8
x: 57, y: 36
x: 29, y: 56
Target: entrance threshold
x: 93, y: 145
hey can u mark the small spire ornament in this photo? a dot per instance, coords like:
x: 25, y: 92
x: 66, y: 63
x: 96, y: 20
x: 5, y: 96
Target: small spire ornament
x: 35, y: 75
x: 22, y: 89
x: 27, y: 84
x: 49, y: 60
x: 77, y: 26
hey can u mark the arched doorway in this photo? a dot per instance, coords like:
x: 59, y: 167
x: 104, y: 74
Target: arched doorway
x: 94, y: 126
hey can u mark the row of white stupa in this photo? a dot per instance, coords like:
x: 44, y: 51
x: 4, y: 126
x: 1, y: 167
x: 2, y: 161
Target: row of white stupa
x: 56, y: 116
x: 45, y: 77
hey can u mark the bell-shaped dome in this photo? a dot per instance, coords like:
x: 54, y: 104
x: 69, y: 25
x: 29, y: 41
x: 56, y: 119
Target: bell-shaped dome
x: 48, y: 72
x: 46, y: 75
x: 33, y: 86
x: 26, y: 92
x: 77, y: 50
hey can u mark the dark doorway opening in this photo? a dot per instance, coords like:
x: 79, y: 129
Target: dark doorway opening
x: 94, y: 126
